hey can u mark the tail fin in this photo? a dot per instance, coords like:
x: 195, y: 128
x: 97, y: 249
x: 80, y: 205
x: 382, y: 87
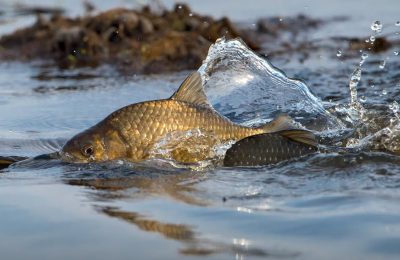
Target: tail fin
x: 282, y: 122
x: 300, y: 136
x: 285, y: 126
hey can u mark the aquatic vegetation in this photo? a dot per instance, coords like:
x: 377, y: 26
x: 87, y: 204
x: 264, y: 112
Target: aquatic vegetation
x: 135, y: 40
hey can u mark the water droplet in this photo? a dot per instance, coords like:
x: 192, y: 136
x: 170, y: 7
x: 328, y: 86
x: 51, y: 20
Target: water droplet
x: 372, y: 39
x: 190, y: 14
x: 367, y: 40
x: 396, y: 53
x: 397, y: 23
x: 339, y: 53
x: 364, y: 56
x: 382, y: 64
x: 372, y: 86
x: 354, y: 80
x: 394, y: 107
x: 376, y: 26
x: 363, y: 99
x: 179, y: 6
x: 384, y: 92
x: 280, y: 19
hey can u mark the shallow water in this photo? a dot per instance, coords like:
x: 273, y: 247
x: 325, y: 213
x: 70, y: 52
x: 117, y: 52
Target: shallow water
x: 340, y: 204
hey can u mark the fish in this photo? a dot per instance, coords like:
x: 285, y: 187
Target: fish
x: 6, y: 161
x: 133, y: 132
x: 269, y: 148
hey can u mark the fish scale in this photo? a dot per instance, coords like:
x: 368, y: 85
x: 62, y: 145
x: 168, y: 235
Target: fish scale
x: 152, y: 124
x: 138, y: 131
x: 265, y: 149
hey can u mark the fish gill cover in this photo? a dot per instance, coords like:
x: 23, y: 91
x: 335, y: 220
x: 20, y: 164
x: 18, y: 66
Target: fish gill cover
x: 248, y: 89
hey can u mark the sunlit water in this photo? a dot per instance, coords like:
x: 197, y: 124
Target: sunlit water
x: 340, y: 204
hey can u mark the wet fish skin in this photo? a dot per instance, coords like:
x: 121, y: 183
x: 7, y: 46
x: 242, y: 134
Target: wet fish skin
x: 265, y: 149
x: 131, y: 133
x: 6, y: 161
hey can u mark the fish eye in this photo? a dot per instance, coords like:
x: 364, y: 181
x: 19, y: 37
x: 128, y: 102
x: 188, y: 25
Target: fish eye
x: 88, y: 151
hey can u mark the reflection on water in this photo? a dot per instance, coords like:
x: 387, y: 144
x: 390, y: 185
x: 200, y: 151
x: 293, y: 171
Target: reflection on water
x: 180, y: 187
x: 185, y: 234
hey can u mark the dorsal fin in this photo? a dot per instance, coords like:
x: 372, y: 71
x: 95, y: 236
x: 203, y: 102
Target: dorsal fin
x: 191, y: 91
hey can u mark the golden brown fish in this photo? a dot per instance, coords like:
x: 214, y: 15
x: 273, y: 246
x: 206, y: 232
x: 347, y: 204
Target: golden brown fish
x: 133, y: 133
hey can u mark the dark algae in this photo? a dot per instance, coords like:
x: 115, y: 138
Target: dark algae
x: 137, y: 40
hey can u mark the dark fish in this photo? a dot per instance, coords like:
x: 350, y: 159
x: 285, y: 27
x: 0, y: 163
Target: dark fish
x: 270, y: 148
x: 6, y: 161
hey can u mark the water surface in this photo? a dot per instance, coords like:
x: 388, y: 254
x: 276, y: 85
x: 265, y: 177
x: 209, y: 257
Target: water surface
x: 341, y: 204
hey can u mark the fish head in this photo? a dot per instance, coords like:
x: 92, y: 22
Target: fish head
x: 97, y: 144
x: 84, y: 147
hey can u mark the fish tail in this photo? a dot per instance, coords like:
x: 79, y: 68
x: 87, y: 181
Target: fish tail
x: 285, y: 126
x: 300, y: 136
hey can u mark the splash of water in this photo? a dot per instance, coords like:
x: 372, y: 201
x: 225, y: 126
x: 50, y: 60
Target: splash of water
x: 376, y: 26
x: 248, y: 89
x: 370, y: 132
x: 206, y: 150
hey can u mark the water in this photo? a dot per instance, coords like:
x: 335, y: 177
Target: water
x: 376, y: 27
x: 341, y: 204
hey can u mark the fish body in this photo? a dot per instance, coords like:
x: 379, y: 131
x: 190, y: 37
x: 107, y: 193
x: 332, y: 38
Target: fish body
x: 266, y: 149
x: 133, y: 132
